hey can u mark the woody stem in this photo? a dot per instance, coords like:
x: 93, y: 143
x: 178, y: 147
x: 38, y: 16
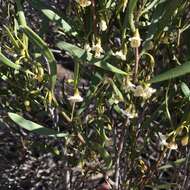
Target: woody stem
x: 136, y: 64
x: 94, y: 16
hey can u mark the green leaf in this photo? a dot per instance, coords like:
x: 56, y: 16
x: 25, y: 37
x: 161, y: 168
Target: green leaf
x: 15, y: 66
x: 178, y: 162
x: 53, y: 16
x: 34, y: 127
x: 117, y: 91
x: 131, y: 7
x: 161, y: 19
x: 56, y: 18
x: 172, y: 73
x: 8, y: 62
x: 12, y: 38
x: 150, y: 6
x: 103, y: 153
x: 108, y: 67
x: 167, y: 186
x: 165, y: 167
x: 164, y: 186
x: 22, y: 21
x: 81, y: 54
x: 37, y: 40
x: 185, y: 89
x: 74, y: 51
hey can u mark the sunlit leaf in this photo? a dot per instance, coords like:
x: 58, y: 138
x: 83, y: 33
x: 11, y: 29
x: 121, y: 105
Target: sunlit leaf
x: 81, y: 54
x: 131, y: 7
x: 74, y: 51
x: 185, y: 89
x: 34, y: 127
x: 8, y: 62
x: 38, y: 41
x: 117, y: 91
x: 52, y: 15
x: 161, y: 18
x: 172, y: 73
x: 103, y: 153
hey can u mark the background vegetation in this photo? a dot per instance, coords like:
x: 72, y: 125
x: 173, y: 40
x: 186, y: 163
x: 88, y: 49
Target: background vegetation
x: 94, y: 88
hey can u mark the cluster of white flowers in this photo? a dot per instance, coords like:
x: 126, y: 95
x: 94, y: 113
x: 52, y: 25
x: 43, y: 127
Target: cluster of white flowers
x: 129, y: 114
x: 146, y: 92
x: 103, y: 25
x: 87, y: 47
x: 76, y: 98
x: 128, y: 85
x: 84, y: 3
x: 120, y: 55
x: 139, y: 91
x: 135, y: 41
x: 97, y: 48
x: 163, y: 141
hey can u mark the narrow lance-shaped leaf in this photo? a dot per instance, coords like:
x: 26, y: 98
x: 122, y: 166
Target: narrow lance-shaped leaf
x: 81, y: 54
x: 117, y: 91
x: 12, y: 38
x: 22, y: 21
x: 161, y: 18
x: 108, y: 67
x: 150, y: 6
x: 15, y: 66
x: 37, y: 40
x: 185, y: 89
x: 74, y: 51
x: 8, y: 62
x: 131, y: 7
x: 34, y: 127
x: 103, y: 153
x: 53, y: 16
x: 172, y: 73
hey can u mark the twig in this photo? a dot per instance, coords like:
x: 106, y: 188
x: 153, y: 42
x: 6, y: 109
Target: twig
x: 119, y: 150
x: 94, y: 16
x: 136, y: 65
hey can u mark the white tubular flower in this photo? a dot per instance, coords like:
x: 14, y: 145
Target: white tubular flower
x: 172, y: 145
x: 146, y: 92
x: 84, y: 3
x: 138, y: 91
x: 185, y: 140
x: 76, y: 98
x: 128, y: 85
x: 124, y: 4
x: 87, y: 47
x: 120, y: 55
x: 135, y: 41
x: 103, y: 25
x: 163, y: 139
x: 131, y: 115
x: 97, y: 49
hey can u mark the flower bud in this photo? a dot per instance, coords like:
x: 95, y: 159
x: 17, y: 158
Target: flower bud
x: 185, y: 140
x: 172, y: 145
x: 76, y: 97
x: 84, y: 3
x: 27, y: 105
x: 103, y: 25
x: 124, y: 4
x: 135, y: 41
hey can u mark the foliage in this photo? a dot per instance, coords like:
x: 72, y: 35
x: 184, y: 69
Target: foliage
x: 118, y: 123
